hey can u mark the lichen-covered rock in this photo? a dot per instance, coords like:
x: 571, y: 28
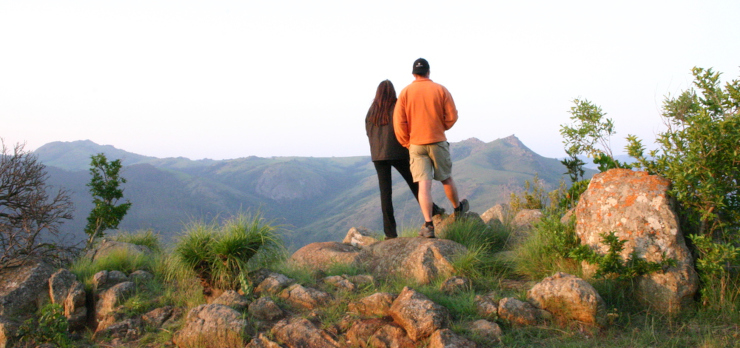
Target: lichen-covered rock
x: 127, y: 330
x: 109, y: 300
x: 486, y: 306
x: 232, y: 299
x: 264, y: 308
x: 570, y: 298
x: 21, y: 285
x: 526, y: 218
x: 317, y: 256
x: 361, y: 331
x: 418, y: 259
x: 306, y: 297
x: 418, y: 315
x: 390, y: 336
x: 377, y: 304
x: 446, y: 338
x: 272, y: 284
x: 486, y: 329
x: 359, y: 237
x: 521, y: 313
x: 262, y: 341
x: 636, y: 206
x: 212, y: 326
x: 301, y: 333
x: 340, y: 282
x: 104, y: 280
x: 156, y: 317
x: 64, y: 289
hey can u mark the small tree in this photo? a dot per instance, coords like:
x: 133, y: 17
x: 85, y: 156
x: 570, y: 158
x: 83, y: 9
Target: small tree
x: 105, y: 189
x: 590, y: 128
x: 700, y: 154
x: 28, y: 212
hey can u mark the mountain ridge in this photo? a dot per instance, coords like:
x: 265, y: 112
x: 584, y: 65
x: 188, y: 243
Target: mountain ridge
x: 318, y: 198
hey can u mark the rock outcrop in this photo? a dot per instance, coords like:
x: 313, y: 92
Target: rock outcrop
x: 22, y: 285
x: 418, y: 315
x: 419, y: 259
x: 569, y: 298
x: 359, y: 237
x: 320, y: 255
x: 212, y: 326
x: 636, y: 206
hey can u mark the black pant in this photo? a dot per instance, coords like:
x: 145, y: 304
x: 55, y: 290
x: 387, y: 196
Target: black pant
x: 386, y: 190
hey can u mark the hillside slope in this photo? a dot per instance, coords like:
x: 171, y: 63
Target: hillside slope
x: 317, y: 199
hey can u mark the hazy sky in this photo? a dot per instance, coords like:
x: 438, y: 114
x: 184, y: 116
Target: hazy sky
x: 229, y: 79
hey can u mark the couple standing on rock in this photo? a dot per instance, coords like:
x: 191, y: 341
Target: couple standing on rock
x: 408, y: 133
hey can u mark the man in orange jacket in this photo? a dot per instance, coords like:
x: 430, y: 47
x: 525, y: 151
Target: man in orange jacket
x: 424, y: 111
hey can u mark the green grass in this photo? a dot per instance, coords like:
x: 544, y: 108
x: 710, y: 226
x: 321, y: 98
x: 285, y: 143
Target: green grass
x: 145, y: 238
x: 490, y: 262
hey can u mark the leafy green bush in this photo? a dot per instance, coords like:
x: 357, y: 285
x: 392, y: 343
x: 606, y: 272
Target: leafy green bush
x: 220, y: 253
x: 611, y: 264
x: 51, y: 327
x: 699, y: 154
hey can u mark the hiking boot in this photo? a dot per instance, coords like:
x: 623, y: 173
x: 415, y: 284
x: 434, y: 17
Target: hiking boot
x: 437, y: 210
x: 427, y: 231
x: 462, y: 207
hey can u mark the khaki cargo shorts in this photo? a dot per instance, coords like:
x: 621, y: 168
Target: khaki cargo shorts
x: 431, y: 161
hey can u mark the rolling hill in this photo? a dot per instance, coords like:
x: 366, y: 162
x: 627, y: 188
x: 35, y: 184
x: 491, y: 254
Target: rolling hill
x: 316, y: 199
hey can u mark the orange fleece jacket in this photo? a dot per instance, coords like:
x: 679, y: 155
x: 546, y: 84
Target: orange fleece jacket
x: 424, y: 111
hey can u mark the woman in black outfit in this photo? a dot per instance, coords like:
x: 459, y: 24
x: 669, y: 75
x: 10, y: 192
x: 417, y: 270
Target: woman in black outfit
x: 386, y: 152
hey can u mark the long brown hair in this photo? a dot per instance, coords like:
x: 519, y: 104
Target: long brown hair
x: 383, y: 104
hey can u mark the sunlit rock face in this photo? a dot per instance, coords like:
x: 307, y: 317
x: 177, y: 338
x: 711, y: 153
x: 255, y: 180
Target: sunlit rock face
x: 637, y: 207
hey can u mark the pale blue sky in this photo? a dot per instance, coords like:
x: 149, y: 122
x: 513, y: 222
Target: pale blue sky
x: 229, y: 79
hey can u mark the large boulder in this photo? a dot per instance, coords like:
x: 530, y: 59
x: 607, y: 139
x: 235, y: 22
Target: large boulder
x: 636, y: 206
x: 318, y: 256
x: 418, y: 315
x: 22, y: 287
x: 212, y: 326
x: 418, y: 259
x: 108, y: 301
x: 67, y: 291
x: 570, y: 298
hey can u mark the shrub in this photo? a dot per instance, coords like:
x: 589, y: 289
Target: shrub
x: 51, y: 327
x: 145, y: 238
x: 219, y: 254
x: 547, y: 250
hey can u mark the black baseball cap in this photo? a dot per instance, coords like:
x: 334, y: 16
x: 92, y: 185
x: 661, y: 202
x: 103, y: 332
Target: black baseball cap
x: 421, y: 67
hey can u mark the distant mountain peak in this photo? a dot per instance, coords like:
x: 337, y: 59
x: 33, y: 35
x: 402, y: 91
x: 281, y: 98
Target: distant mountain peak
x: 513, y: 141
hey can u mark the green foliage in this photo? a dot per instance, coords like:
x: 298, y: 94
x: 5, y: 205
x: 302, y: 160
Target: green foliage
x: 573, y: 194
x: 537, y: 199
x: 145, y: 238
x: 547, y: 250
x: 699, y: 153
x: 51, y: 327
x: 122, y: 260
x: 104, y: 187
x: 720, y: 289
x: 590, y: 127
x: 219, y: 254
x: 611, y: 264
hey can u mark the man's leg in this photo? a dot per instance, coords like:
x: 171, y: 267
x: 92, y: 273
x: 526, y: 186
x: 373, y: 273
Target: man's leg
x: 425, y: 199
x: 451, y: 191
